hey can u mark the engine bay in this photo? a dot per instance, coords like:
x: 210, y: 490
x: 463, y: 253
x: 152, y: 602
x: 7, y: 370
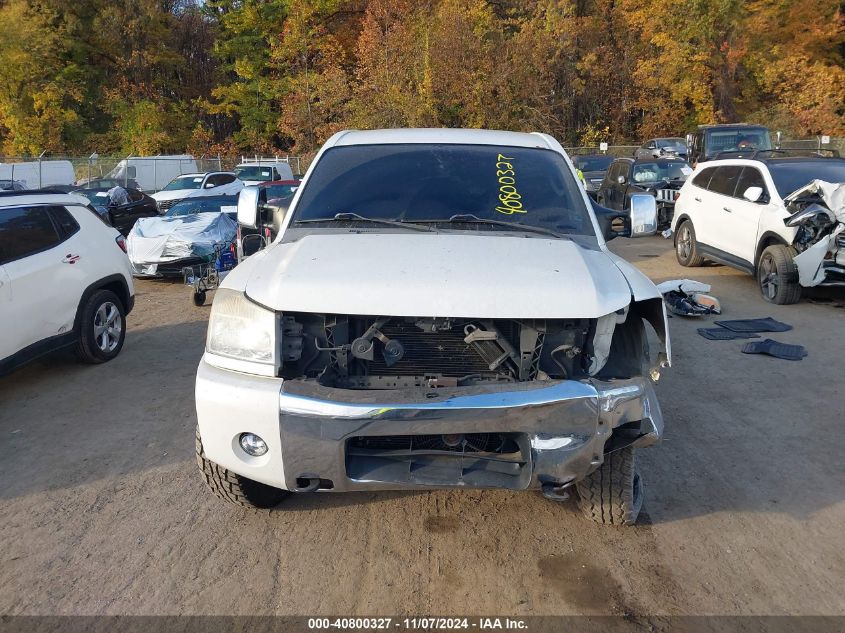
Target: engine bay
x: 380, y: 352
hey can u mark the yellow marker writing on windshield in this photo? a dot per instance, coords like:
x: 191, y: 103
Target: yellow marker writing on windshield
x: 509, y: 197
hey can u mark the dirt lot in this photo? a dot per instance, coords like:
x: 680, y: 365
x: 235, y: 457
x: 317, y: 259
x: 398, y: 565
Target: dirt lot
x: 102, y: 510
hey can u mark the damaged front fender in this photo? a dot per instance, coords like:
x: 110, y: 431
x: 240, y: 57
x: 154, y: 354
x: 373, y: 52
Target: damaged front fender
x: 819, y: 228
x: 648, y: 303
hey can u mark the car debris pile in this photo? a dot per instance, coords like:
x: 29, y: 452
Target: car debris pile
x: 686, y: 297
x: 819, y: 214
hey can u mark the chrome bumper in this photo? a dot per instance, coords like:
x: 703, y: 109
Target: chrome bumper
x: 562, y: 428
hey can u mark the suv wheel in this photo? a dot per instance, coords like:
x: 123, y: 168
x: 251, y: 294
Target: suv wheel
x: 236, y: 488
x: 777, y: 275
x: 613, y: 493
x: 686, y: 248
x: 102, y: 328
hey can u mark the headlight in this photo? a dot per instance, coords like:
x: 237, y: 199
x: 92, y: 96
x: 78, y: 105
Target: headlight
x: 241, y: 329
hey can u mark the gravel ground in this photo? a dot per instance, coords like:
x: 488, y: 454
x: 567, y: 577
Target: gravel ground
x: 102, y: 510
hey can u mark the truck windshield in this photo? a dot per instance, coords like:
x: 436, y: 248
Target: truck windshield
x: 737, y: 140
x: 432, y: 183
x: 254, y: 172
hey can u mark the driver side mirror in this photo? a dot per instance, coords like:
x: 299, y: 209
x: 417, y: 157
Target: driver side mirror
x: 753, y: 194
x: 209, y: 185
x: 640, y: 221
x: 248, y: 202
x: 620, y: 180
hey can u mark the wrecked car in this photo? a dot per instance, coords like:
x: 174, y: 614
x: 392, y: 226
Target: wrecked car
x: 163, y: 246
x: 778, y: 217
x: 439, y: 310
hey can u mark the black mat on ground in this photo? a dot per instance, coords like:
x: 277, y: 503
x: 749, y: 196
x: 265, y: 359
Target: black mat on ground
x: 755, y: 325
x: 721, y: 334
x: 773, y: 348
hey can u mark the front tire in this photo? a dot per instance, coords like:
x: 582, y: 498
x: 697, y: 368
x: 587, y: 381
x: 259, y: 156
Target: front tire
x: 613, y: 493
x: 777, y: 275
x: 235, y: 488
x: 102, y: 328
x: 686, y: 248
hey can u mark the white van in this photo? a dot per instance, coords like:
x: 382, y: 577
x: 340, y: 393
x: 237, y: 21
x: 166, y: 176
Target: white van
x: 152, y: 173
x: 35, y: 175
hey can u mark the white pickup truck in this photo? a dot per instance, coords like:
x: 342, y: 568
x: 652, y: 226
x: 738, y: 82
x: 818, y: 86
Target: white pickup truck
x: 438, y: 310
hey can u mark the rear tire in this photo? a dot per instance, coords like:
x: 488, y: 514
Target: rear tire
x: 102, y: 328
x: 686, y: 248
x: 777, y: 275
x: 235, y: 488
x: 613, y: 493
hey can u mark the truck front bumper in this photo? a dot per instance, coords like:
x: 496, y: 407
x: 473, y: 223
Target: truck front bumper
x: 558, y: 431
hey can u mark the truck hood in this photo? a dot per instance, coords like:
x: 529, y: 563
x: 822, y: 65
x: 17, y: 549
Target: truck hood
x: 431, y: 274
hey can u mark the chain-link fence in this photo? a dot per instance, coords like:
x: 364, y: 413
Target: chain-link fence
x: 612, y: 150
x: 148, y: 173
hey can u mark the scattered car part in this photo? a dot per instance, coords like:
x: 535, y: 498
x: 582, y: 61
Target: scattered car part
x: 755, y: 325
x: 723, y: 334
x: 774, y: 348
x: 686, y: 297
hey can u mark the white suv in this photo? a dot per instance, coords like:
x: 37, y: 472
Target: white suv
x: 64, y: 279
x: 768, y: 216
x: 188, y: 185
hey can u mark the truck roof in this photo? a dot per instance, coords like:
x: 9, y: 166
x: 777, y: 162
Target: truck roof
x: 441, y: 135
x: 709, y: 126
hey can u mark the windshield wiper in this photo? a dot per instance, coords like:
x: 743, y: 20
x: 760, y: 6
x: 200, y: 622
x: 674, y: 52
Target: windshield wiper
x: 339, y: 217
x: 470, y: 217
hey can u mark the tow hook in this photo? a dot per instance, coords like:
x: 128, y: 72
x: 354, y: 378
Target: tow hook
x: 556, y: 492
x: 307, y: 483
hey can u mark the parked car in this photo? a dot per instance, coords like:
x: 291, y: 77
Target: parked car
x: 709, y: 141
x: 263, y: 170
x: 162, y: 247
x: 64, y: 280
x: 12, y: 185
x: 593, y: 167
x: 504, y: 348
x: 758, y: 215
x: 660, y: 147
x: 188, y: 184
x: 124, y: 214
x: 659, y: 177
x: 107, y: 183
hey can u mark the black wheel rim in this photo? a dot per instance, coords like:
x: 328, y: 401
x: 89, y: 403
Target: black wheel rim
x: 768, y: 277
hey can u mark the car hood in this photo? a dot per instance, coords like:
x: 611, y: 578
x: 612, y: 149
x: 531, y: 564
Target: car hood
x: 173, y: 194
x: 431, y: 274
